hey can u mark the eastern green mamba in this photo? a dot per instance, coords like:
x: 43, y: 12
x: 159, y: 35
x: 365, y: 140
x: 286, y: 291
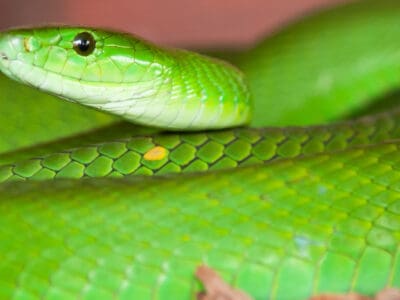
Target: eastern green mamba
x: 280, y: 212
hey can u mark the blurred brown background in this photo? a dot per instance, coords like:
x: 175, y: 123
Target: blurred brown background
x: 189, y: 23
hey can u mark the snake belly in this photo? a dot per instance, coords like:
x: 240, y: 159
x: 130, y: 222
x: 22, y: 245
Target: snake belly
x: 279, y: 212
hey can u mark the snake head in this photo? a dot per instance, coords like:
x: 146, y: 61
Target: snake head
x: 127, y: 76
x: 81, y: 64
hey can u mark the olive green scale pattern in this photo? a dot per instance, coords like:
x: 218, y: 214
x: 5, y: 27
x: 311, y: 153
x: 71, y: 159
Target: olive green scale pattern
x: 330, y: 222
x: 195, y: 152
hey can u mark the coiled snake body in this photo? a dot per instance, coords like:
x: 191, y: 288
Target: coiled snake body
x: 280, y: 212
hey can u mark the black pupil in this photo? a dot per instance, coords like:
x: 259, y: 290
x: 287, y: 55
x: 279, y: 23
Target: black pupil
x: 84, y: 43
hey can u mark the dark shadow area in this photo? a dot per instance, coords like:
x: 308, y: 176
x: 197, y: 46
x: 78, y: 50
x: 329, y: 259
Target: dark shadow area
x: 388, y: 102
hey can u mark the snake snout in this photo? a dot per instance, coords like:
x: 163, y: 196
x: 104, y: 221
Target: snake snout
x: 3, y: 56
x: 9, y: 47
x: 4, y: 48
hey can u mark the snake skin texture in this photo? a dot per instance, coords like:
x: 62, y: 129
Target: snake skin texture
x: 196, y: 152
x: 305, y: 226
x: 279, y: 212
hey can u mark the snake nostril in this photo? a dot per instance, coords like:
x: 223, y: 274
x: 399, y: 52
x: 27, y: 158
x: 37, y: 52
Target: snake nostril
x: 3, y: 56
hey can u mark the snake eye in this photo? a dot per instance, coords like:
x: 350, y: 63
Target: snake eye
x: 84, y: 43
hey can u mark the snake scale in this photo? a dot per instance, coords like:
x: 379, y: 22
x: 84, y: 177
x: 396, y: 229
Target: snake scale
x: 285, y: 211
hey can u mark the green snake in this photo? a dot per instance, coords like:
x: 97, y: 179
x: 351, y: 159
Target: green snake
x: 279, y: 212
